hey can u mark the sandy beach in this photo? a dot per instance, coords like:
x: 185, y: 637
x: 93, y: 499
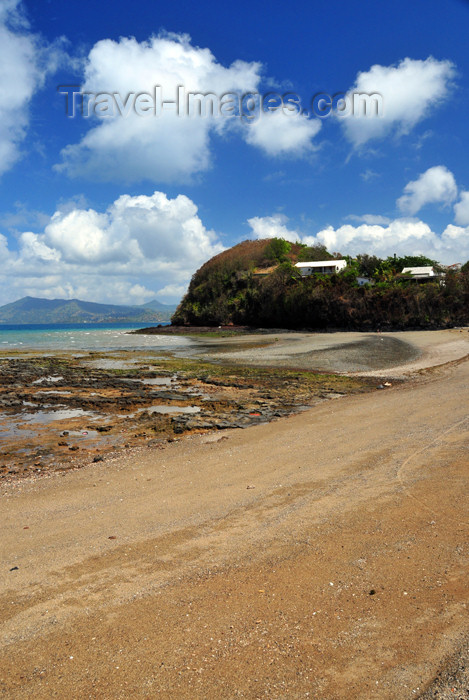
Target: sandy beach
x: 322, y: 555
x: 399, y: 354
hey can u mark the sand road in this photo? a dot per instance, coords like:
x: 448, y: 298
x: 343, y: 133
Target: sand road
x: 322, y: 556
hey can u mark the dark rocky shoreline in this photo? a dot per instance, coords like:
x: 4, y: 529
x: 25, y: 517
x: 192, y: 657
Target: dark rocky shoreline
x: 60, y: 412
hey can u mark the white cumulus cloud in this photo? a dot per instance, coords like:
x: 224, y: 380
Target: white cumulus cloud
x: 461, y: 209
x: 401, y: 236
x: 26, y: 61
x: 280, y: 133
x: 19, y: 79
x: 435, y: 186
x: 404, y: 236
x: 175, y: 143
x: 140, y: 247
x: 410, y: 90
x: 273, y: 227
x: 167, y: 147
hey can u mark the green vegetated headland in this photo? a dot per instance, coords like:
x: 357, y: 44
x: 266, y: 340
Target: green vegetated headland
x: 256, y: 283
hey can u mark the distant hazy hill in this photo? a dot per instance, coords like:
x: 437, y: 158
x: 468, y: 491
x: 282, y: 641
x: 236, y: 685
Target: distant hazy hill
x: 33, y: 310
x: 156, y: 305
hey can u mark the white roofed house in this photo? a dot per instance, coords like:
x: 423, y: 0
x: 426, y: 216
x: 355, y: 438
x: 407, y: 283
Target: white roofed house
x: 421, y: 274
x: 321, y: 267
x: 419, y: 271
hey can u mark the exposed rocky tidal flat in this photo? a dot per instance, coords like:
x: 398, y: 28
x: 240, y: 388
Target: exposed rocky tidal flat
x: 61, y: 411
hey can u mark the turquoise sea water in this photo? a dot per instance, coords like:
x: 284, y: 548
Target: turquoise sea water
x: 84, y: 337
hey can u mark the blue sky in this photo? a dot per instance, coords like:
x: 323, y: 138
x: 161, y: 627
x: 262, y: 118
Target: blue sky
x: 124, y: 208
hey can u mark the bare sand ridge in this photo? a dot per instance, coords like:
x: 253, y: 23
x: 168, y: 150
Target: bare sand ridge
x: 324, y: 555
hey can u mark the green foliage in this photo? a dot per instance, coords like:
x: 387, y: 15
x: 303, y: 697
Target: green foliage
x: 278, y: 249
x: 352, y: 271
x: 368, y: 265
x: 397, y: 264
x: 314, y: 253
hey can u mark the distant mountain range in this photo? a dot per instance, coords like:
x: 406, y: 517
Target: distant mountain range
x: 30, y: 310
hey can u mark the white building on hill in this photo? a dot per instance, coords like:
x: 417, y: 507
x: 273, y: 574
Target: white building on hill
x: 321, y: 267
x: 419, y: 272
